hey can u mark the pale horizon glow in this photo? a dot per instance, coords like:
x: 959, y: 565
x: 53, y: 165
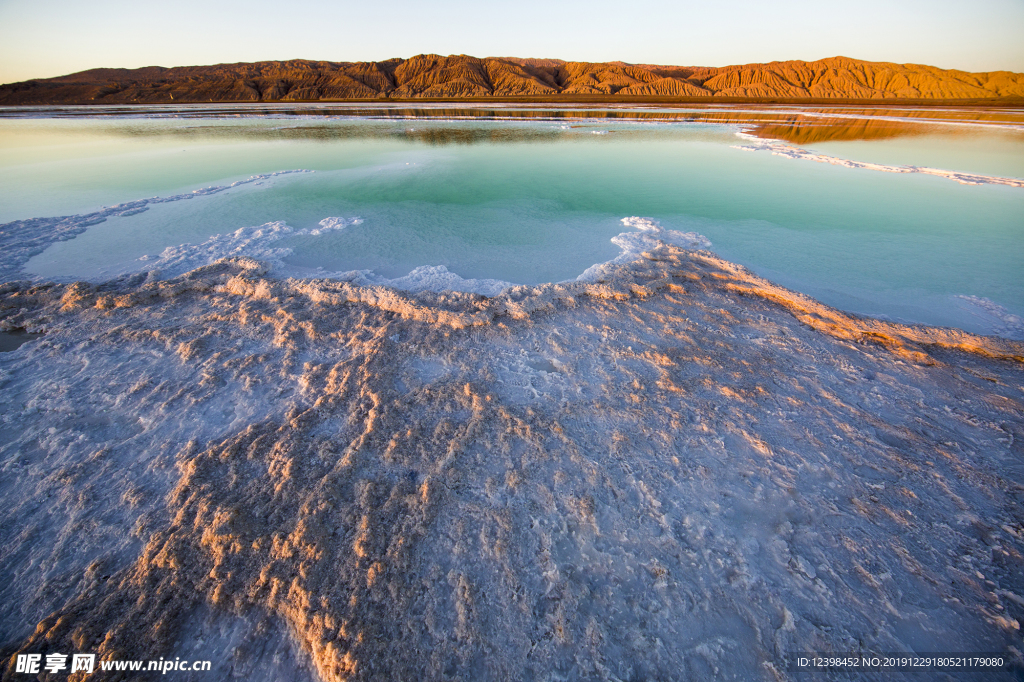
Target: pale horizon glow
x: 49, y: 38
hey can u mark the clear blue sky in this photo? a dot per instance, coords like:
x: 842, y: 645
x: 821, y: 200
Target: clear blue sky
x: 42, y: 38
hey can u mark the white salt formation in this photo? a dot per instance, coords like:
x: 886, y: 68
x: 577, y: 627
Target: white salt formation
x: 23, y: 239
x: 792, y: 152
x: 254, y: 242
x: 673, y: 470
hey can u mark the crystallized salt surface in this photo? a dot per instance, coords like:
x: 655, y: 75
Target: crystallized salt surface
x: 675, y: 469
x: 790, y: 151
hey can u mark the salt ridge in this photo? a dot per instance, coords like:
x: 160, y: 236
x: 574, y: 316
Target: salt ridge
x: 791, y: 152
x: 649, y: 235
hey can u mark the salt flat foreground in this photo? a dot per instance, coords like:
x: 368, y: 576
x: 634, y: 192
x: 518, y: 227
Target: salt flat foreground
x: 677, y: 471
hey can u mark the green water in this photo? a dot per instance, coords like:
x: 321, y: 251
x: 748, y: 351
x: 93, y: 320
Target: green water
x: 530, y: 202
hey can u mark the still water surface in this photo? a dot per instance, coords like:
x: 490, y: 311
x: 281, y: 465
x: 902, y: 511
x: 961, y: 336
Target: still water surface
x: 530, y: 195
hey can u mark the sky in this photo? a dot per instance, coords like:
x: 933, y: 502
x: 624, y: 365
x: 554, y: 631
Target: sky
x: 45, y: 38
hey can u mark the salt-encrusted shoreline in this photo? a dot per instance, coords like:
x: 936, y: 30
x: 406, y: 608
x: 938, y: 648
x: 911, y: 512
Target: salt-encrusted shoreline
x: 675, y: 469
x: 23, y: 239
x: 779, y: 148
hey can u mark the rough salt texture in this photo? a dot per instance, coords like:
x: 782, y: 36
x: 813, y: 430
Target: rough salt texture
x: 674, y: 471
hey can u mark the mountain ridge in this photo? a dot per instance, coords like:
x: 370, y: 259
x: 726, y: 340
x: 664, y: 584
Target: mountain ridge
x: 431, y: 76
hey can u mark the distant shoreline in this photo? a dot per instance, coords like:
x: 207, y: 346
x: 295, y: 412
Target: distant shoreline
x: 995, y: 102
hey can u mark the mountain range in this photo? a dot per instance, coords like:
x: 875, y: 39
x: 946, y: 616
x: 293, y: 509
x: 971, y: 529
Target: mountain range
x: 464, y: 77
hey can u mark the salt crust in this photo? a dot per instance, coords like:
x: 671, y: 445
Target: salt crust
x: 673, y: 470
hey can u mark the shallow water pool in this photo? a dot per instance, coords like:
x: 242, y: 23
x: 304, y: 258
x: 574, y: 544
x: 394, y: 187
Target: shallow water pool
x: 521, y: 195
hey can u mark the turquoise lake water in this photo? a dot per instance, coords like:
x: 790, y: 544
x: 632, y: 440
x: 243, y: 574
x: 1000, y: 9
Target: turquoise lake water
x: 530, y: 201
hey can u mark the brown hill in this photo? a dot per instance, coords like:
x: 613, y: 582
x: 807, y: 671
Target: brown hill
x: 461, y: 76
x: 854, y: 79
